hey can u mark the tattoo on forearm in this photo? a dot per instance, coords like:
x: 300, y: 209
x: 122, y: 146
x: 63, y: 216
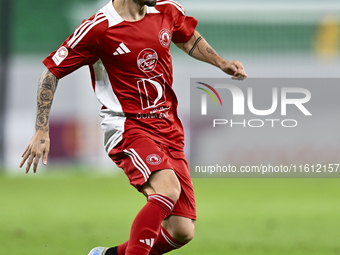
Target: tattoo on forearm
x: 42, y: 141
x: 195, y: 45
x: 210, y: 50
x: 202, y: 47
x: 47, y: 86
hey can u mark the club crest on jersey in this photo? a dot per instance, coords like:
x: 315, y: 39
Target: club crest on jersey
x: 153, y: 159
x: 147, y: 60
x: 60, y: 55
x: 164, y: 37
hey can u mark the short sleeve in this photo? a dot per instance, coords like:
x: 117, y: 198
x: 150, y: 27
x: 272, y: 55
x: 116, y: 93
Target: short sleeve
x: 79, y: 49
x: 184, y: 29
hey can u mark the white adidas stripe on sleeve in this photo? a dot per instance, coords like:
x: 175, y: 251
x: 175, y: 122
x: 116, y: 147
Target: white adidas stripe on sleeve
x: 84, y: 28
x: 174, y: 3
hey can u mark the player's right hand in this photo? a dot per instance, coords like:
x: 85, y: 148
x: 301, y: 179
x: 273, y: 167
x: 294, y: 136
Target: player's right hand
x: 37, y: 148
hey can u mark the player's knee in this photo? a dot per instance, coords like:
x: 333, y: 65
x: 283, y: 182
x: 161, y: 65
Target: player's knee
x: 164, y: 183
x: 185, y: 235
x: 188, y: 236
x: 172, y: 191
x: 174, y: 194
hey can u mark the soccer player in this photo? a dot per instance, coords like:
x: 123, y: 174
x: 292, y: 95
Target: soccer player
x: 126, y: 45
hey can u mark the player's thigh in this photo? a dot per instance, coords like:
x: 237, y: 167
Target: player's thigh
x: 180, y: 228
x: 163, y: 182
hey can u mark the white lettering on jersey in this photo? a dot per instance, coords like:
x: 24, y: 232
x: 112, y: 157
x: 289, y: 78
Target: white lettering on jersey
x: 147, y: 60
x: 161, y: 115
x: 161, y: 112
x: 152, y: 92
x: 60, y: 55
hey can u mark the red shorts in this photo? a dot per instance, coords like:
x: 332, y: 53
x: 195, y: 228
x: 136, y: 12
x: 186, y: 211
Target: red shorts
x: 139, y: 156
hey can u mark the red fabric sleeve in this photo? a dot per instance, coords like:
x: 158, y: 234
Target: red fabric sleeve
x: 184, y: 29
x: 70, y: 56
x: 72, y: 62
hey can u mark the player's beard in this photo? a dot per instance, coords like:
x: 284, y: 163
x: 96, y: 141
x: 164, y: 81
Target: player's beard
x: 150, y: 2
x: 146, y: 2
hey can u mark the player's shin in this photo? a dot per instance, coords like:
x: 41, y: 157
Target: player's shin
x: 147, y: 224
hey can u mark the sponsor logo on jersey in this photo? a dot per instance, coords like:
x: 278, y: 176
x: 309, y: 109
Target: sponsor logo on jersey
x: 60, y: 55
x: 151, y: 91
x: 122, y: 49
x: 147, y: 60
x: 153, y: 159
x: 162, y: 112
x: 164, y: 37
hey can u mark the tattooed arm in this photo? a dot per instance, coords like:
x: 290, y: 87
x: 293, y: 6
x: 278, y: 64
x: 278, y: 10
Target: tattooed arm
x: 198, y: 48
x: 40, y: 143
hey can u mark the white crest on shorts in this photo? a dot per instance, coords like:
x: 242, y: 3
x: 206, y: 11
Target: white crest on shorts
x: 153, y: 159
x: 147, y: 60
x: 164, y: 37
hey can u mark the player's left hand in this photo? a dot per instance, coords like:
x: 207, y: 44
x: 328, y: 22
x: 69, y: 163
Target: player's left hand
x: 235, y: 69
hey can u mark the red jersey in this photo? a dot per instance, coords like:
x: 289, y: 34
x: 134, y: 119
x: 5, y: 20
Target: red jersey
x: 131, y: 69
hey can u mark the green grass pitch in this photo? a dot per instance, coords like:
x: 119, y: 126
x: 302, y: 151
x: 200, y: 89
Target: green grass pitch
x: 69, y: 214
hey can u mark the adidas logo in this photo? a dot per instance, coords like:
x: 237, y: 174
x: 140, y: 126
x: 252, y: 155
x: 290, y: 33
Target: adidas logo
x: 122, y: 49
x: 149, y: 242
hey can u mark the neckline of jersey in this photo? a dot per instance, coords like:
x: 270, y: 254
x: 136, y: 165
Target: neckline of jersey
x: 116, y: 14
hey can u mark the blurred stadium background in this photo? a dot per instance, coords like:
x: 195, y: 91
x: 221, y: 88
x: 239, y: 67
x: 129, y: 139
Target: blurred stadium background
x: 272, y: 38
x: 56, y: 214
